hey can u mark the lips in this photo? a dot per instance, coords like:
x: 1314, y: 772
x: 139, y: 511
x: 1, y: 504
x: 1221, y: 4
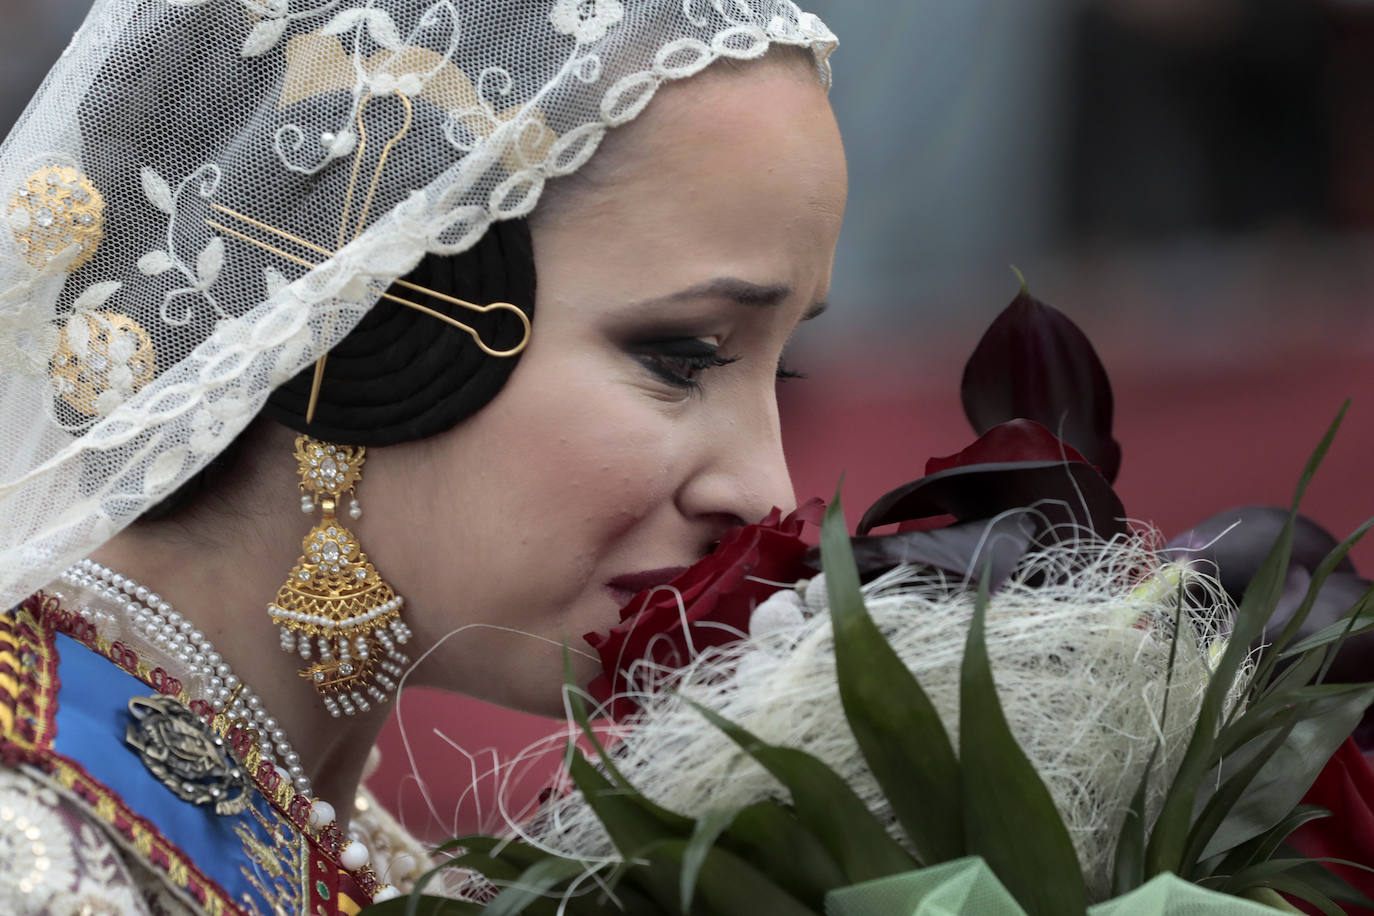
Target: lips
x: 624, y: 588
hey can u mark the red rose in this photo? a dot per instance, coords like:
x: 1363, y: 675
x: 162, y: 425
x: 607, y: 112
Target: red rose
x: 1345, y: 787
x: 707, y: 605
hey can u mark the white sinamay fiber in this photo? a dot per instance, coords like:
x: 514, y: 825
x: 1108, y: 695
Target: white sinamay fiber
x: 1081, y: 669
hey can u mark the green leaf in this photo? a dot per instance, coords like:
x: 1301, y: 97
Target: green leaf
x: 1128, y: 868
x: 894, y: 723
x: 1009, y: 816
x: 583, y: 720
x: 532, y: 885
x: 1263, y: 847
x: 1319, y: 577
x: 708, y: 829
x: 1335, y: 648
x: 1363, y: 619
x: 1328, y: 882
x: 506, y: 849
x: 1290, y: 770
x: 827, y: 806
x: 1169, y: 837
x: 730, y: 886
x: 424, y: 905
x: 775, y: 841
x: 1205, y: 838
x: 633, y: 826
x: 1297, y: 887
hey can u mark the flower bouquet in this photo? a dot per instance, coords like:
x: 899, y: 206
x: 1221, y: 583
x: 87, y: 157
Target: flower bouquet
x: 1015, y: 703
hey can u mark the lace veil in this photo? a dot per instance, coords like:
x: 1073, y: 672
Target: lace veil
x: 206, y: 195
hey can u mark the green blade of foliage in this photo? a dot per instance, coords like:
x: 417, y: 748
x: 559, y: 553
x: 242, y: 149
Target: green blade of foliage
x: 1361, y: 621
x: 1205, y: 837
x: 729, y: 886
x: 1319, y: 577
x: 774, y: 840
x: 522, y: 855
x: 708, y: 829
x: 1294, y: 886
x: 1355, y: 613
x: 894, y: 723
x: 492, y: 868
x: 1128, y: 868
x: 583, y: 720
x: 1004, y: 800
x: 1327, y: 881
x: 633, y: 826
x: 1295, y: 677
x: 424, y: 905
x: 529, y: 890
x: 1169, y: 837
x: 827, y: 806
x: 1286, y: 774
x: 1263, y: 847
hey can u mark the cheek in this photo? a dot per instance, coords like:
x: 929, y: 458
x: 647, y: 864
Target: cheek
x: 572, y: 460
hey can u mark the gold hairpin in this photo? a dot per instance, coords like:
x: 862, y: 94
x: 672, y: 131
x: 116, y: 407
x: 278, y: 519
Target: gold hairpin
x: 362, y: 217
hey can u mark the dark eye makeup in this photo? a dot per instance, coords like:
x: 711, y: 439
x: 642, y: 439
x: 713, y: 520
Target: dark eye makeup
x: 681, y: 362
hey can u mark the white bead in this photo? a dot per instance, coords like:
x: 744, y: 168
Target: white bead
x: 354, y: 856
x: 384, y: 893
x: 321, y: 814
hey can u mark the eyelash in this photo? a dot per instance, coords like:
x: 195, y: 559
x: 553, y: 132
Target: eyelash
x: 691, y: 355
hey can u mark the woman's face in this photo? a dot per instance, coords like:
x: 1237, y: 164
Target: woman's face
x: 641, y: 422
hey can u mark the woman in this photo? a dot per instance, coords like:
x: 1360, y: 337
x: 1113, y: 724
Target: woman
x: 240, y: 185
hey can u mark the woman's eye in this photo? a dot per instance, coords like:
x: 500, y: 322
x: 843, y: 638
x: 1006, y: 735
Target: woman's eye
x: 785, y: 372
x: 680, y: 363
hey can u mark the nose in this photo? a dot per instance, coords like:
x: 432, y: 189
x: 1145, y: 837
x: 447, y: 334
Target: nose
x: 741, y: 473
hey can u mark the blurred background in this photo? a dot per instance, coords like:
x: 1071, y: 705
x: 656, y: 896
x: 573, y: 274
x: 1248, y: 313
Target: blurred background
x: 1192, y: 181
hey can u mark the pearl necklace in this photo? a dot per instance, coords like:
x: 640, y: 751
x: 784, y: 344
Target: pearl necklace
x: 155, y: 619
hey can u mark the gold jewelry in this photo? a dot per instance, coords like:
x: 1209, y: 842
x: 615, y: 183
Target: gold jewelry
x: 57, y: 207
x: 335, y: 603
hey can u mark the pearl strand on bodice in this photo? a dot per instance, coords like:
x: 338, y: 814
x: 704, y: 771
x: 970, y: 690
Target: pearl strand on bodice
x: 160, y: 624
x: 169, y: 631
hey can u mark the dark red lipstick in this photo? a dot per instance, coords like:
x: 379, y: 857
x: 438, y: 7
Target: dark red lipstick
x: 625, y: 587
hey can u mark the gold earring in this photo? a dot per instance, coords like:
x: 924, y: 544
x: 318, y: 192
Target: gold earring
x: 335, y: 603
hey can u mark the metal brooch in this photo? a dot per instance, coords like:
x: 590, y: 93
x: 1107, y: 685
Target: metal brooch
x: 182, y: 751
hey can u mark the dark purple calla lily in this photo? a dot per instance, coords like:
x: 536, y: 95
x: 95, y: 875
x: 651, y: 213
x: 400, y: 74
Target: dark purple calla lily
x: 1239, y: 551
x: 1237, y: 541
x: 961, y: 549
x: 1065, y: 494
x: 1034, y: 363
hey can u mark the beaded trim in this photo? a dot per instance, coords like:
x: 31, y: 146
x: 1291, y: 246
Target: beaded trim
x: 27, y: 727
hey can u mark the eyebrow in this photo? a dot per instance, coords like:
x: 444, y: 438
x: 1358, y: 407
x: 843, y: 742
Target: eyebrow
x: 743, y: 292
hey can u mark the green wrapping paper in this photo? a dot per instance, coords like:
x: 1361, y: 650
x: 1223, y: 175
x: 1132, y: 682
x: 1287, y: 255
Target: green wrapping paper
x: 965, y: 887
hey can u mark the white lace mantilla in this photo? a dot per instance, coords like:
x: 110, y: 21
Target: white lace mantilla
x: 206, y: 195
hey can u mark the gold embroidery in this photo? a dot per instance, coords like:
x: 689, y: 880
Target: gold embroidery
x: 114, y: 353
x: 281, y: 873
x: 60, y: 208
